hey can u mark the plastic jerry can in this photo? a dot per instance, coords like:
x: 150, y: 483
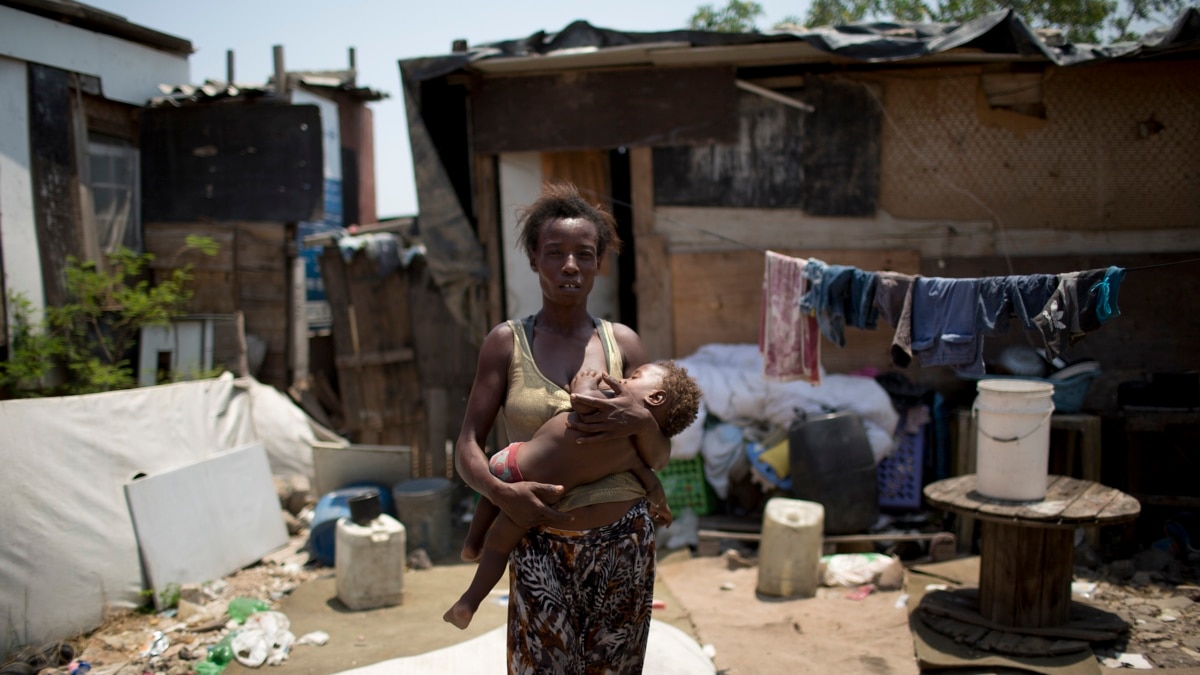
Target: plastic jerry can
x: 370, y: 555
x: 789, y: 555
x: 831, y: 463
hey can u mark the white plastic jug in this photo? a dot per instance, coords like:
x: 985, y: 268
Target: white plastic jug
x: 789, y: 555
x: 370, y: 562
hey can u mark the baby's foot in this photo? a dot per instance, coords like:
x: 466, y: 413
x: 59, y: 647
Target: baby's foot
x: 460, y: 615
x: 470, y: 552
x: 660, y: 513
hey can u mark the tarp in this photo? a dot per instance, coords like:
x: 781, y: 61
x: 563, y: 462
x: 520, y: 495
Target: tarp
x: 68, y: 548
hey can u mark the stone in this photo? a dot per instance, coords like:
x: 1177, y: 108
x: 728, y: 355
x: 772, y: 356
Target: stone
x: 1176, y: 602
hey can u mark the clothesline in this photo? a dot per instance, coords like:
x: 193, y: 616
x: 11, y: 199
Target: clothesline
x: 937, y: 320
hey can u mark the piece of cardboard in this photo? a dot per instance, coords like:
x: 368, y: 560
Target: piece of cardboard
x: 206, y: 520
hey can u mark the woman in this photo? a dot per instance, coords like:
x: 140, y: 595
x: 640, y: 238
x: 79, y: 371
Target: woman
x: 582, y: 580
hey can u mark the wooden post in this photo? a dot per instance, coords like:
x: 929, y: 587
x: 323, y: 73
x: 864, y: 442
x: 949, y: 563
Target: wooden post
x: 487, y: 217
x: 652, y: 282
x: 435, y: 430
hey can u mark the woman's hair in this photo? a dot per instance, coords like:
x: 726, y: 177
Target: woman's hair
x: 683, y: 398
x: 561, y: 199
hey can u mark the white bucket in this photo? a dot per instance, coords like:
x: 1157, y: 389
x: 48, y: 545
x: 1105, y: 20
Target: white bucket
x: 789, y: 554
x: 1012, y: 423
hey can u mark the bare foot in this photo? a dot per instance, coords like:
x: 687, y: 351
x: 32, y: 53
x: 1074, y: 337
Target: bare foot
x: 470, y: 552
x: 460, y: 615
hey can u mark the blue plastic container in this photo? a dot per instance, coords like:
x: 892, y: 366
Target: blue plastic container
x: 322, y: 535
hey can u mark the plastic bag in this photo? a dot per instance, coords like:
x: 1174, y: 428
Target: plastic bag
x: 240, y: 608
x: 856, y: 569
x: 264, y: 638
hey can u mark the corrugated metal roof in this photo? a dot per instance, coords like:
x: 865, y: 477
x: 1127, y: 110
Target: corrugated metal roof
x: 213, y: 90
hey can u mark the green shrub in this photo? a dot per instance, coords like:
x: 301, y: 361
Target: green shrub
x: 88, y: 338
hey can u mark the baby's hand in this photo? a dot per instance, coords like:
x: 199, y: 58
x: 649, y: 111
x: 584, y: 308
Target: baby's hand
x: 586, y: 380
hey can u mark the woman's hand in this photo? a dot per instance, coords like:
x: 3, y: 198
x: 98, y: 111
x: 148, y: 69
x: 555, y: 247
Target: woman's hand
x: 600, y: 418
x: 525, y: 503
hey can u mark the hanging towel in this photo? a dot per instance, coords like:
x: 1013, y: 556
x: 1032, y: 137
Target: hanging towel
x: 1081, y: 303
x: 788, y: 337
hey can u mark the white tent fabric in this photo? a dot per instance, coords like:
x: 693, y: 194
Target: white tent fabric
x: 669, y: 651
x: 68, y: 549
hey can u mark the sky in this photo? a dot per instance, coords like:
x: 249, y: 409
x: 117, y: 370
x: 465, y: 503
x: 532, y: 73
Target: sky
x: 319, y: 35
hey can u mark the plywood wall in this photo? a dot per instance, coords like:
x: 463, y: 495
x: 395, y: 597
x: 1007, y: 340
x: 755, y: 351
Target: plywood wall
x: 717, y: 298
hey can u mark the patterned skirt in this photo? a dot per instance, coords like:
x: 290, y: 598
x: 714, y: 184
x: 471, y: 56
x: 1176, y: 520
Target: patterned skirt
x: 579, y: 601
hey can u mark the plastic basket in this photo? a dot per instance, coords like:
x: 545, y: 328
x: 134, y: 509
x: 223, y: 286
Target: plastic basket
x: 899, y: 474
x: 683, y: 481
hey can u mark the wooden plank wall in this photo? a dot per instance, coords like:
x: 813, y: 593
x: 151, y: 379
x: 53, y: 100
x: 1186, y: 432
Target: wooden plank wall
x: 249, y: 274
x: 378, y: 380
x: 717, y: 298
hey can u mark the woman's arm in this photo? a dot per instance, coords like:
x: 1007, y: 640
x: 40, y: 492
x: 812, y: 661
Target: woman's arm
x: 600, y: 418
x: 522, y: 502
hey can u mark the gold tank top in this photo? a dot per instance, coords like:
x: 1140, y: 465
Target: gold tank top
x: 533, y: 399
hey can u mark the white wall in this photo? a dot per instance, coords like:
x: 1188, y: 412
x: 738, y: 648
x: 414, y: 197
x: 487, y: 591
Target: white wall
x: 128, y: 72
x: 520, y: 185
x: 18, y: 236
x: 331, y: 141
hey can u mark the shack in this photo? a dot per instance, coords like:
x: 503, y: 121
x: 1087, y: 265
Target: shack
x: 971, y: 150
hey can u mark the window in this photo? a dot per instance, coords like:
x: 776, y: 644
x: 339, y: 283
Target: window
x: 115, y: 183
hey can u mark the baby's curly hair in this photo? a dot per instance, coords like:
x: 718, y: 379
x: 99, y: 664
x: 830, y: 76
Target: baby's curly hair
x: 683, y: 396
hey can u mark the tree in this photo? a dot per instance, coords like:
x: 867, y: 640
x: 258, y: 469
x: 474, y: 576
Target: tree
x: 1081, y: 21
x: 736, y: 17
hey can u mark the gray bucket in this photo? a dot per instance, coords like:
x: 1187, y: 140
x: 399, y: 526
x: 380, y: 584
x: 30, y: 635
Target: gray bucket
x: 423, y: 505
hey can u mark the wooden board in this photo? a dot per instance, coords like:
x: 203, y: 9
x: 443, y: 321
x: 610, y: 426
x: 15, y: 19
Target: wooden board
x: 825, y: 162
x: 1069, y: 503
x: 652, y: 287
x: 605, y: 109
x: 55, y: 179
x: 717, y: 298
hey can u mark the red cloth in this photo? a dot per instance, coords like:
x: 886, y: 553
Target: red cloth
x: 788, y: 338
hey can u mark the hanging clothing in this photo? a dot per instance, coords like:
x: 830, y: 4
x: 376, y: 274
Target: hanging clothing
x: 902, y: 351
x: 1081, y: 303
x: 945, y: 324
x: 1020, y: 295
x: 839, y: 295
x: 788, y: 337
x: 891, y: 291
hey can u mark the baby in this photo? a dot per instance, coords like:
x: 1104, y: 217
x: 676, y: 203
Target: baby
x: 553, y: 456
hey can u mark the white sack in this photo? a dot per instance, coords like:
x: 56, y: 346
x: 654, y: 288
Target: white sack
x: 735, y: 391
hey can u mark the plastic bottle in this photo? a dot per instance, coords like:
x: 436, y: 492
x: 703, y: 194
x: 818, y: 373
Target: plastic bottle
x: 240, y: 608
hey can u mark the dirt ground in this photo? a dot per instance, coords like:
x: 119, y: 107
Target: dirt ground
x: 713, y: 599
